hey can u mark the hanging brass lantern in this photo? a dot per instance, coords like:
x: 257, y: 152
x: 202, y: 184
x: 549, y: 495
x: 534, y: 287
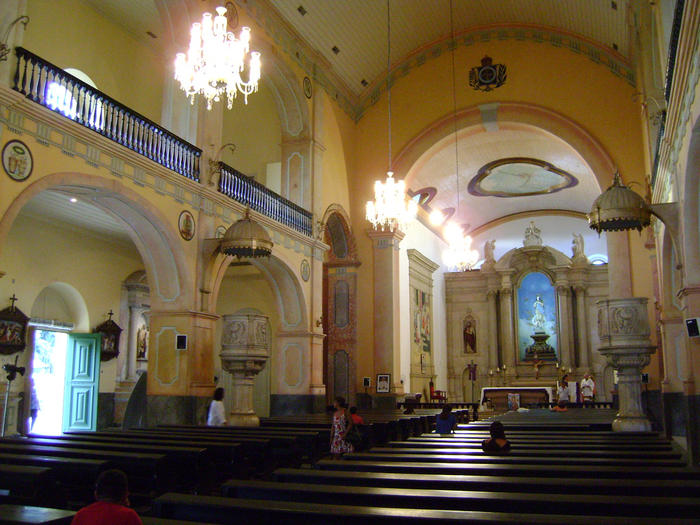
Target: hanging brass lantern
x: 619, y: 208
x: 246, y: 238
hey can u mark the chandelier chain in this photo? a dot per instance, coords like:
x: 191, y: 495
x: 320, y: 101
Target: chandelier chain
x: 454, y: 103
x: 388, y: 69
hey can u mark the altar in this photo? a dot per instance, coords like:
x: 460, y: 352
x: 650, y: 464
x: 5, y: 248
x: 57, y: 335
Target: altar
x: 529, y: 395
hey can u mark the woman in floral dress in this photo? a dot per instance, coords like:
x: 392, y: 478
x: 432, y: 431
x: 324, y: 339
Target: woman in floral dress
x: 342, y: 424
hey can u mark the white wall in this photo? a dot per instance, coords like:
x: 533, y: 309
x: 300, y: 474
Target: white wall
x: 428, y: 244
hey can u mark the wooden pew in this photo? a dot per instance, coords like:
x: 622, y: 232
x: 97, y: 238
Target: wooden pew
x: 76, y: 475
x: 24, y: 514
x: 530, y: 503
x: 533, y: 450
x: 27, y: 485
x: 191, y: 466
x: 221, y: 510
x: 238, y: 457
x: 146, y: 472
x: 687, y: 488
x: 514, y: 459
x: 487, y: 468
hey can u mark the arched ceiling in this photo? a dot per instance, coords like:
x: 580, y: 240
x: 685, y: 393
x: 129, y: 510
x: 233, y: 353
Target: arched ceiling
x: 477, y: 147
x: 358, y: 28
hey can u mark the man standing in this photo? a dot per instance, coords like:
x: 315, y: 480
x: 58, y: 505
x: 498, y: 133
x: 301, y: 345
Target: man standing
x: 587, y: 388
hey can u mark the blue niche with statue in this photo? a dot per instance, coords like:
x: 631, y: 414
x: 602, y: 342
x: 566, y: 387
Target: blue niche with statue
x: 537, y: 319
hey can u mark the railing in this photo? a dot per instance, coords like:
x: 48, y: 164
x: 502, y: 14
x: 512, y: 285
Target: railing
x: 55, y: 89
x: 247, y: 191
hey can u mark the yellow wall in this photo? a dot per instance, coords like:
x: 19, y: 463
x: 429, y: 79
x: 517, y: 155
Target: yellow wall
x: 338, y: 141
x: 538, y: 74
x: 255, y: 130
x: 71, y: 34
x: 38, y: 253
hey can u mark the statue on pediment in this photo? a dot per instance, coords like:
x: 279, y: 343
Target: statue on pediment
x: 532, y: 235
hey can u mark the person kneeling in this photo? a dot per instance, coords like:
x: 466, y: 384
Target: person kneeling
x: 497, y: 443
x: 111, y: 507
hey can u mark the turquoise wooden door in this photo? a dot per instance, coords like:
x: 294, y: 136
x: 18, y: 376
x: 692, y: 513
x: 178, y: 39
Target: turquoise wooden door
x: 82, y: 382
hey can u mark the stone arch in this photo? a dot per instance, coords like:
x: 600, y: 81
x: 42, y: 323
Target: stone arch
x: 337, y: 212
x: 157, y: 242
x: 595, y: 155
x: 291, y: 303
x: 75, y: 305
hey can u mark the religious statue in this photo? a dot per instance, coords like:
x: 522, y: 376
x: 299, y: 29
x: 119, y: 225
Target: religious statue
x: 469, y: 337
x: 141, y: 342
x: 577, y: 246
x: 538, y: 318
x: 489, y: 248
x: 532, y: 235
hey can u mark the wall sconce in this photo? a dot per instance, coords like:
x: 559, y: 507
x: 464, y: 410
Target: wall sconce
x: 4, y: 48
x: 214, y: 168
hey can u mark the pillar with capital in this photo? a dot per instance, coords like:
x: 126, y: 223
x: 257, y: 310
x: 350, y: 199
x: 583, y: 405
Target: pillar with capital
x: 582, y: 324
x: 507, y: 332
x: 493, y: 329
x: 565, y: 328
x: 386, y: 305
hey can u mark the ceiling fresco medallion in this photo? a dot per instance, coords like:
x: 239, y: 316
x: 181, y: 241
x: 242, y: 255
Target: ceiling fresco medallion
x: 519, y: 177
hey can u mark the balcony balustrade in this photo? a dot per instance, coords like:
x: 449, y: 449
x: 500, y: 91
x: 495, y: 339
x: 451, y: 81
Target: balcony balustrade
x: 63, y: 93
x: 53, y: 88
x: 247, y: 191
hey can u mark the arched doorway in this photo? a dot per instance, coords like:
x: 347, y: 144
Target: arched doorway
x: 339, y: 307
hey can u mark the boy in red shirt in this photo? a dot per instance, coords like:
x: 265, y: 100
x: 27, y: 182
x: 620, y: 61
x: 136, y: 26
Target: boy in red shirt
x: 111, y: 507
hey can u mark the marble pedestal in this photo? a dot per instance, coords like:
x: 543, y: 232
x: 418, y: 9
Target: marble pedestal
x: 623, y: 327
x: 244, y: 351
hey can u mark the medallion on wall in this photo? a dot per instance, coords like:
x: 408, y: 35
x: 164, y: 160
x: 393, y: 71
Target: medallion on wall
x: 305, y: 270
x: 185, y: 225
x: 17, y: 160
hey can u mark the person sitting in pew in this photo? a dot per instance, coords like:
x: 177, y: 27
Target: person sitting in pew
x: 217, y: 414
x: 497, y: 443
x: 446, y: 422
x: 561, y: 406
x: 356, y: 418
x: 112, y: 505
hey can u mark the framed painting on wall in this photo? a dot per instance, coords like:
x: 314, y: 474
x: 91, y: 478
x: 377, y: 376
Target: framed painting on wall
x: 383, y: 383
x: 13, y: 330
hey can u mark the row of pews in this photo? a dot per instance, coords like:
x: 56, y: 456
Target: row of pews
x: 59, y: 471
x: 564, y: 468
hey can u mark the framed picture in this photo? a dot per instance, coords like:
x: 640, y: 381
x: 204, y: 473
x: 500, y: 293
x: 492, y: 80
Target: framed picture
x: 383, y: 383
x: 17, y: 160
x: 186, y: 225
x: 13, y: 330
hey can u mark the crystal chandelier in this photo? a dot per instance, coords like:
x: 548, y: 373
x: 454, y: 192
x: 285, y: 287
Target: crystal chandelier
x: 215, y: 60
x: 390, y: 209
x: 459, y: 254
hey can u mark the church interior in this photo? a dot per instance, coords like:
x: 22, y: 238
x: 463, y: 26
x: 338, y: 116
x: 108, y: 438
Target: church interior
x: 396, y: 202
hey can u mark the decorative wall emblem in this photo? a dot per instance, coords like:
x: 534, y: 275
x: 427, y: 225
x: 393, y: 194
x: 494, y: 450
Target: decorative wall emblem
x: 220, y: 232
x: 17, y: 160
x: 305, y: 270
x: 186, y: 225
x: 488, y: 76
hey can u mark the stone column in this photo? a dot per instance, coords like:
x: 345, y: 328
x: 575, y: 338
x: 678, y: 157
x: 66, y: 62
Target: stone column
x: 564, y: 300
x: 245, y: 349
x: 509, y: 357
x: 493, y: 330
x: 581, y: 323
x: 623, y: 327
x: 386, y: 305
